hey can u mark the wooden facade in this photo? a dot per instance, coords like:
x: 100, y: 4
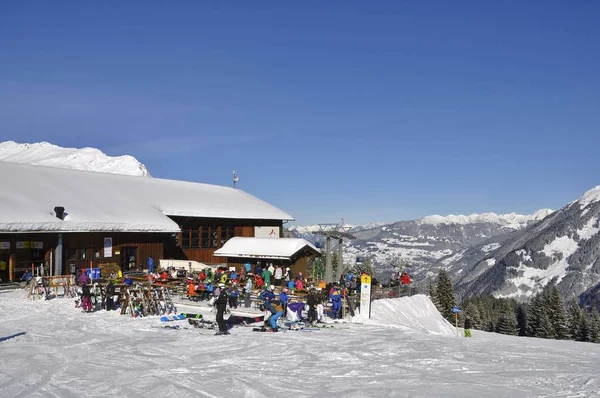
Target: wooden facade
x: 197, y: 241
x: 200, y: 237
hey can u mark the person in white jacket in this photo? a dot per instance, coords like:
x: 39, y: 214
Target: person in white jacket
x: 247, y: 292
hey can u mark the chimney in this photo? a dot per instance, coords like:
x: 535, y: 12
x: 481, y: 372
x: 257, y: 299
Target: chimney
x: 60, y: 212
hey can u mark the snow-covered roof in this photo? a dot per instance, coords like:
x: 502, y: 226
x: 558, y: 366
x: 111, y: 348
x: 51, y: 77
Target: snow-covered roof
x: 109, y: 202
x: 274, y: 248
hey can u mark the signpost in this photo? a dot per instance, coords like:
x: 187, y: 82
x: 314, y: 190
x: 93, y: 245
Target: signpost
x: 365, y: 295
x: 456, y: 309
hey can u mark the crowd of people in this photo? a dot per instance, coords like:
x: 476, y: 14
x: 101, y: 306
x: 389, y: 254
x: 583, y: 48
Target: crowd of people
x: 274, y: 288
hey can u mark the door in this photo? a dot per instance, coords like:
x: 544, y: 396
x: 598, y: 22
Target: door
x: 129, y: 258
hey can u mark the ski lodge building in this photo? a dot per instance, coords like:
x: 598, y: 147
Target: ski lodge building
x: 69, y: 220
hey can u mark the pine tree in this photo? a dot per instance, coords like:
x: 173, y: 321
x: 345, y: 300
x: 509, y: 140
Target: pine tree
x: 557, y: 315
x: 431, y: 291
x: 594, y: 328
x: 507, y: 324
x: 485, y: 317
x: 445, y: 296
x: 584, y: 329
x: 334, y: 264
x: 538, y: 322
x: 522, y: 319
x: 574, y: 317
x: 473, y: 313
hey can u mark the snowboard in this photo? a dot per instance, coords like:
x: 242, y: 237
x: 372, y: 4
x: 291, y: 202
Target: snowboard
x: 194, y: 316
x: 169, y: 318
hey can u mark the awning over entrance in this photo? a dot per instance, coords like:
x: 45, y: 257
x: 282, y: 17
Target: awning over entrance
x: 269, y: 248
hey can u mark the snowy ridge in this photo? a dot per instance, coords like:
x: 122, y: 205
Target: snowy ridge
x: 591, y: 196
x: 88, y: 159
x: 510, y: 220
x: 302, y: 229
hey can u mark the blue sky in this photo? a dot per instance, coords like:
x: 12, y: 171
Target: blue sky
x: 370, y: 111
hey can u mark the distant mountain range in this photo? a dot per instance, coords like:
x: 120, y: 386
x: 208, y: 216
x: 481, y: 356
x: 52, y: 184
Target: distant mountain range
x: 422, y: 244
x: 90, y: 159
x: 509, y: 255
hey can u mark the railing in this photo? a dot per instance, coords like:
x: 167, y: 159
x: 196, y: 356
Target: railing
x: 393, y: 292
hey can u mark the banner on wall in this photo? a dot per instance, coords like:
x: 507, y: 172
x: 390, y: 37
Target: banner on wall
x: 108, y: 246
x: 266, y: 232
x: 4, y: 245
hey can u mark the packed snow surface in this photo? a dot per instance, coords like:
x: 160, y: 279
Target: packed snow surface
x: 403, y: 350
x: 90, y: 159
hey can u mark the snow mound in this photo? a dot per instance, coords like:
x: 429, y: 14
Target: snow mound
x: 88, y: 159
x: 412, y: 314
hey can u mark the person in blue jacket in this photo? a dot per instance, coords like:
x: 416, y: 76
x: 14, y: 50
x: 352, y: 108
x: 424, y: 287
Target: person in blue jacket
x: 150, y: 264
x: 234, y: 293
x: 267, y: 296
x: 208, y: 290
x: 336, y: 297
x: 283, y: 298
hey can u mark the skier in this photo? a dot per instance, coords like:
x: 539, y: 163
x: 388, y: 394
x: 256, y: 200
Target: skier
x: 273, y: 319
x: 267, y: 296
x: 336, y: 299
x: 110, y: 292
x: 221, y: 304
x: 86, y: 295
x: 283, y: 298
x: 208, y: 290
x: 234, y: 292
x: 467, y: 327
x: 266, y: 275
x: 312, y: 301
x: 295, y: 312
x: 84, y: 278
x: 248, y: 293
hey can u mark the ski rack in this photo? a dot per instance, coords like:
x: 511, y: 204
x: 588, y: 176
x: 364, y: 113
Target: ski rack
x: 140, y: 301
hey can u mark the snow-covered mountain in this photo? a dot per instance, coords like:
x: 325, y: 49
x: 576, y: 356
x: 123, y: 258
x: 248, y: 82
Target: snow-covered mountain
x: 423, y: 243
x: 563, y: 249
x: 90, y: 159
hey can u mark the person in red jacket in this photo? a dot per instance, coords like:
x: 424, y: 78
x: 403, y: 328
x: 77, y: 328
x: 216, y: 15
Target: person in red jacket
x: 405, y: 279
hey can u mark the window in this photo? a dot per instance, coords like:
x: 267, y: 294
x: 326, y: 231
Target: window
x: 205, y: 236
x: 227, y: 232
x: 214, y: 237
x: 81, y: 254
x: 70, y: 254
x: 210, y: 236
x: 195, y: 239
x: 185, y: 236
x: 96, y: 253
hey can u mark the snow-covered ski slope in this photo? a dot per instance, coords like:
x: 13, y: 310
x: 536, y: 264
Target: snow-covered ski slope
x: 59, y: 351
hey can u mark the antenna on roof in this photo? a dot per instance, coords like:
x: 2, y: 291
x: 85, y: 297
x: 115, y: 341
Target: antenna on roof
x: 235, y: 177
